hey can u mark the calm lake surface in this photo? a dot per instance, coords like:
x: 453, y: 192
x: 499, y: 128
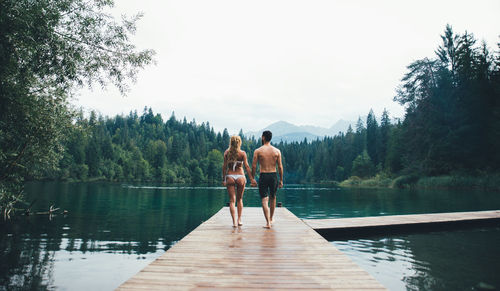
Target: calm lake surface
x: 114, y: 230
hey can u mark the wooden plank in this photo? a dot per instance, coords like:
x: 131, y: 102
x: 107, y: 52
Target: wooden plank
x: 290, y: 256
x: 402, y: 220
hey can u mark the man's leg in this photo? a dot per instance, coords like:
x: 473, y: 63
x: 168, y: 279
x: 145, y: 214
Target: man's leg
x: 265, y: 208
x: 272, y: 197
x: 272, y: 205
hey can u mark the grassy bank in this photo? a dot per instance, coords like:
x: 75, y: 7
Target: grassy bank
x: 379, y: 181
x: 486, y: 182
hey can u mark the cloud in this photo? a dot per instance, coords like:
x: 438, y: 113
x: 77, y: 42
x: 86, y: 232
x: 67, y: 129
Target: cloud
x: 240, y: 64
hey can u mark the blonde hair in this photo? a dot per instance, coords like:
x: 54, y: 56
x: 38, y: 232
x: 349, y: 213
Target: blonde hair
x: 234, y: 148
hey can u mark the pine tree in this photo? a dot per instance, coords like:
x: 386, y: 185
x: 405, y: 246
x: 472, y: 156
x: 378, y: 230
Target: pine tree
x: 385, y: 127
x: 372, y: 139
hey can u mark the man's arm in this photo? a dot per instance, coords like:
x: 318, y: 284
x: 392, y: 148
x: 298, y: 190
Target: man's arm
x: 280, y: 169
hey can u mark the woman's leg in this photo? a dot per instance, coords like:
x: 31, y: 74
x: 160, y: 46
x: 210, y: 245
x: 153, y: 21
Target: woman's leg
x: 240, y: 188
x: 231, y: 192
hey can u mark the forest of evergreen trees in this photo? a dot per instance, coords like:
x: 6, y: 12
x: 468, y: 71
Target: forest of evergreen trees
x: 147, y: 148
x: 142, y: 148
x: 451, y: 127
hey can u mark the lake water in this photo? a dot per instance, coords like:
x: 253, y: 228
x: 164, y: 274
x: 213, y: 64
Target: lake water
x: 114, y: 230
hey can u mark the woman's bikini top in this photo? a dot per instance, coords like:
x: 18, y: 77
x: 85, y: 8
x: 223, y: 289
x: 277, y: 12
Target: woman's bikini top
x: 235, y: 164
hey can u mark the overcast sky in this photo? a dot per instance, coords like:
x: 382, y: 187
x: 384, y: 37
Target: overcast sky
x: 246, y: 64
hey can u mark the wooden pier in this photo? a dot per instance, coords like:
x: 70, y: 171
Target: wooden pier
x: 352, y: 227
x: 289, y: 256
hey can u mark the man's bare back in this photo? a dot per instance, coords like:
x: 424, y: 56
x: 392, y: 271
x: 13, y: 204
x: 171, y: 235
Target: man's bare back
x: 268, y: 158
x: 267, y: 155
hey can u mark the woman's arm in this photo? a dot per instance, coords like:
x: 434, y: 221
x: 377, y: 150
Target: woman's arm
x: 247, y: 167
x: 224, y: 168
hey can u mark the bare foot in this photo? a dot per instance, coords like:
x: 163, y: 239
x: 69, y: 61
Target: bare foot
x: 268, y: 226
x: 235, y: 226
x: 240, y: 224
x: 272, y: 220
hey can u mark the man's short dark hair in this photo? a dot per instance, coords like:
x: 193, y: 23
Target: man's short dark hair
x: 267, y: 135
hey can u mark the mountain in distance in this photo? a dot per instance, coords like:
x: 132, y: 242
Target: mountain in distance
x: 295, y: 136
x: 288, y: 132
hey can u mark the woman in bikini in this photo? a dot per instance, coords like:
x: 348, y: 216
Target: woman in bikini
x: 233, y: 176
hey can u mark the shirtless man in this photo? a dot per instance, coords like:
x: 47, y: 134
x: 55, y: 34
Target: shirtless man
x: 268, y: 157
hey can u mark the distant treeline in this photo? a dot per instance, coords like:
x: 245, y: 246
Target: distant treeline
x: 451, y: 126
x: 142, y: 148
x: 147, y: 148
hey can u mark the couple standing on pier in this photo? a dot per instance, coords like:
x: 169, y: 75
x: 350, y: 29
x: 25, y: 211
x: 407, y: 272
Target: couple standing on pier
x: 233, y: 176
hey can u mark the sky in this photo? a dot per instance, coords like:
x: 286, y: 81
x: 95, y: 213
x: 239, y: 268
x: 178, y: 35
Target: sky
x: 247, y: 64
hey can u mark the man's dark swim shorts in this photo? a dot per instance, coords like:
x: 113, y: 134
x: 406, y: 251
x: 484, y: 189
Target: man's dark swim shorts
x: 268, y: 184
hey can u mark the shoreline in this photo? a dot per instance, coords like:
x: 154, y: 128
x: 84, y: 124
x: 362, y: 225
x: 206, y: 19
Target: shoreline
x: 445, y: 182
x: 448, y: 182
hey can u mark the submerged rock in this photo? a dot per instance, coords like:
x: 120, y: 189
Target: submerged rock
x: 481, y: 286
